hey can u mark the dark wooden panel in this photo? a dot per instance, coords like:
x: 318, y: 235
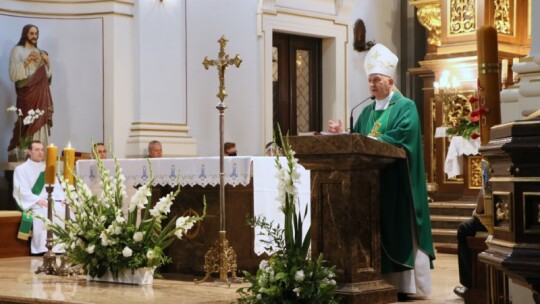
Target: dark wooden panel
x: 188, y: 254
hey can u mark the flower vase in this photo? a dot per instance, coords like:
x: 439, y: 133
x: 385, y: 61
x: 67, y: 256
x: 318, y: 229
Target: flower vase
x: 21, y: 154
x: 139, y: 276
x: 17, y: 155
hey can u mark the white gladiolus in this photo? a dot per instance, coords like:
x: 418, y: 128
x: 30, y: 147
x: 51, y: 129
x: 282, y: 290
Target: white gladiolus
x: 150, y: 254
x: 179, y: 233
x: 127, y: 252
x: 297, y: 290
x: 140, y: 198
x: 163, y: 206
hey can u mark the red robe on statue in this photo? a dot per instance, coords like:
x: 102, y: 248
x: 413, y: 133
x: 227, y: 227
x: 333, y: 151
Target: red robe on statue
x: 34, y: 95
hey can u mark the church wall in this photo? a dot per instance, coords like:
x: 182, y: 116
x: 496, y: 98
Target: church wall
x: 207, y: 21
x: 77, y: 82
x: 382, y: 25
x: 244, y: 123
x: 145, y: 71
x: 120, y: 73
x: 161, y: 83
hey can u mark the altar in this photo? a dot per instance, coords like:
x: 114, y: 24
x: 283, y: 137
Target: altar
x: 250, y: 189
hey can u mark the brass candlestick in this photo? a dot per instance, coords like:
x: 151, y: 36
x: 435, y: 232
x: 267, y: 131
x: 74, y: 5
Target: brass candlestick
x: 222, y: 257
x: 49, y: 265
x: 66, y: 269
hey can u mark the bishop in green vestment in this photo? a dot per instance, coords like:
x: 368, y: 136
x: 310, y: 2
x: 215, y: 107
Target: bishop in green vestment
x: 403, y: 184
x: 407, y: 246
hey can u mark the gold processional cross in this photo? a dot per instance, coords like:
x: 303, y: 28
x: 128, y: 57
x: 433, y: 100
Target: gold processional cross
x: 222, y: 63
x: 221, y: 257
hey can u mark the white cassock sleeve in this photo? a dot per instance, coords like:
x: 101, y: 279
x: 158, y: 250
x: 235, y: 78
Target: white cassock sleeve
x: 22, y: 189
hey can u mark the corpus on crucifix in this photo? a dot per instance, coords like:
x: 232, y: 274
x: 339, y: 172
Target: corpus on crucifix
x: 222, y: 63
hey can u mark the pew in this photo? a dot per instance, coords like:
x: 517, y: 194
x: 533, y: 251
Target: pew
x: 10, y: 245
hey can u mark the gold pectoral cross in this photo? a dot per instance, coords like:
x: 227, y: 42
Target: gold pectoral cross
x: 222, y: 63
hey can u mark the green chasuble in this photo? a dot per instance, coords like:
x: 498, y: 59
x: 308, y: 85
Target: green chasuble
x: 403, y: 184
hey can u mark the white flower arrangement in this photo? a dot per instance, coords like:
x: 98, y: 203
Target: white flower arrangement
x: 31, y: 116
x: 101, y: 237
x: 289, y: 275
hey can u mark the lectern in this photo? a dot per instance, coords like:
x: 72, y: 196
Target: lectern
x: 345, y: 221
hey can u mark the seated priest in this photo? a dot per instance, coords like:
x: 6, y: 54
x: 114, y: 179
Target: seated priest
x: 100, y: 149
x: 406, y: 241
x: 155, y: 149
x: 29, y: 193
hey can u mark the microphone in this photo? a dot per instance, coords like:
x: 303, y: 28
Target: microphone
x: 356, y: 106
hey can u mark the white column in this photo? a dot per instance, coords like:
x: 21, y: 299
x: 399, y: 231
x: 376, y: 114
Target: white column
x: 522, y: 99
x: 160, y: 108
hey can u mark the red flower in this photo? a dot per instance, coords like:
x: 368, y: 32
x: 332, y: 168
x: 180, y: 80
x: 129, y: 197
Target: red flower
x: 475, y: 118
x: 478, y: 112
x: 473, y: 99
x: 475, y: 136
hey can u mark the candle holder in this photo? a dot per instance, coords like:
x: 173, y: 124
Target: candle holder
x: 49, y: 265
x: 66, y: 269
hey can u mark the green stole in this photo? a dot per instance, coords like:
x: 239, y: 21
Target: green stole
x: 26, y: 222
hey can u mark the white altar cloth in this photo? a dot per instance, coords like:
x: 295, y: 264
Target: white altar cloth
x: 459, y: 146
x: 204, y: 171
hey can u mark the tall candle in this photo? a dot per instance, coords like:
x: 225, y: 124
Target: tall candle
x: 69, y: 163
x: 50, y: 165
x: 488, y: 80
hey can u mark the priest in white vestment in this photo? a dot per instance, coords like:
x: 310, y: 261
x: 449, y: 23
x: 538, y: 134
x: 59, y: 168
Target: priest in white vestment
x: 30, y: 194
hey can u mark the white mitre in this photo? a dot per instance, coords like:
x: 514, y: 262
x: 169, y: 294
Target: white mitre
x: 380, y: 60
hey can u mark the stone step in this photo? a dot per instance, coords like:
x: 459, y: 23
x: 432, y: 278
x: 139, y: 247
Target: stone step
x: 441, y: 235
x: 447, y: 221
x: 449, y: 218
x: 451, y: 209
x: 445, y: 248
x: 444, y: 232
x: 445, y: 218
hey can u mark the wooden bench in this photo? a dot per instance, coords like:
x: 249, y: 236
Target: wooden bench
x: 10, y: 245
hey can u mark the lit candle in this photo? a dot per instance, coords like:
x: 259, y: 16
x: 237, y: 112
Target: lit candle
x: 50, y: 165
x: 504, y: 71
x: 69, y: 163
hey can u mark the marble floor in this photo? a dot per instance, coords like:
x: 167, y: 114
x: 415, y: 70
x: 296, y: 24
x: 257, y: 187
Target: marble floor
x: 19, y: 284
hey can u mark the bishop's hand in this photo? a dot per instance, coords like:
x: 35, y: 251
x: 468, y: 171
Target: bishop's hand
x: 334, y: 127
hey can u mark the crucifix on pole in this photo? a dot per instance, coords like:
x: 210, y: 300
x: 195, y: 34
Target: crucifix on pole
x: 221, y: 257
